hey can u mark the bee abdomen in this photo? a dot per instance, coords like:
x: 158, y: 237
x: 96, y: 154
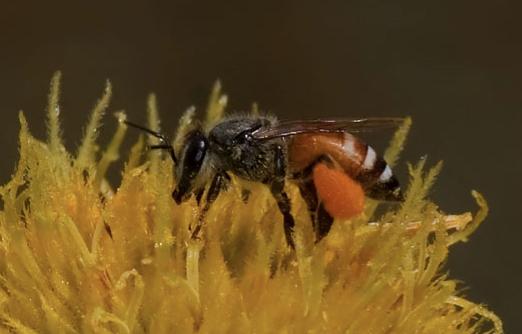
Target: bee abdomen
x: 357, y: 159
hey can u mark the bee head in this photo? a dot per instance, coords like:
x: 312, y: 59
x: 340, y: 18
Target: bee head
x: 192, y: 156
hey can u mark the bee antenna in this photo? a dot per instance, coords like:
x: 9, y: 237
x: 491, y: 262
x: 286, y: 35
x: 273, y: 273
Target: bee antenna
x: 165, y: 145
x: 147, y: 130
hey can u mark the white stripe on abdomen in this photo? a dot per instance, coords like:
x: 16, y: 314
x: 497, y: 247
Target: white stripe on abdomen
x: 386, y: 174
x: 369, y: 160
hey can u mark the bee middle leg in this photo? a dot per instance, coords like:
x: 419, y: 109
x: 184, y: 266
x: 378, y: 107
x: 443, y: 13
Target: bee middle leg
x: 277, y: 187
x: 218, y: 184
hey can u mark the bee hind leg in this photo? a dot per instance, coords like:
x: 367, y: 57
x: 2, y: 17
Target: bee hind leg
x: 324, y: 223
x: 321, y: 220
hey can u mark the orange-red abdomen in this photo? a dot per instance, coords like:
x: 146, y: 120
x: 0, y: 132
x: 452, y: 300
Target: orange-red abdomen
x: 343, y: 148
x: 342, y: 196
x: 347, y: 153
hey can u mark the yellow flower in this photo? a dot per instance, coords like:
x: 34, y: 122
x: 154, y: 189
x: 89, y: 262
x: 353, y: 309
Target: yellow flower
x: 78, y: 257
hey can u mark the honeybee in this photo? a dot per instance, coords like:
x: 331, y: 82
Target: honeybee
x: 332, y: 167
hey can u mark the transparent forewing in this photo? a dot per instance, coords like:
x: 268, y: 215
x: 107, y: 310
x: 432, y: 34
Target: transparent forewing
x: 290, y: 128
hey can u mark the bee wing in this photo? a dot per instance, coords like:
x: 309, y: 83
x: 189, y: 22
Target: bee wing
x: 290, y: 128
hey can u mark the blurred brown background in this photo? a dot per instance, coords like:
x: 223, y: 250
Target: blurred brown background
x: 454, y: 66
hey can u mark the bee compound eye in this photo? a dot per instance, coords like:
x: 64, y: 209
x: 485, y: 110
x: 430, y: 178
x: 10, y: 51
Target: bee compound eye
x: 194, y: 153
x: 195, y: 150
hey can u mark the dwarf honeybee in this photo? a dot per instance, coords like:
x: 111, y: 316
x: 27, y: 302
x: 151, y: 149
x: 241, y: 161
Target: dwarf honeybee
x: 321, y: 156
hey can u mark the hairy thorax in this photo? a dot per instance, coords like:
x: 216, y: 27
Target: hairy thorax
x: 233, y: 148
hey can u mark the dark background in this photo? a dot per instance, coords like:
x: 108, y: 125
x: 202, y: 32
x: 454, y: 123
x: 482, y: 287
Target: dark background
x: 454, y: 66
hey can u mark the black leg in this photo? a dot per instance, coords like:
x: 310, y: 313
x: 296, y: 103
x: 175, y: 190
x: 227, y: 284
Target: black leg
x: 321, y: 220
x: 323, y: 224
x: 309, y: 194
x: 219, y: 183
x: 198, y: 193
x: 277, y: 187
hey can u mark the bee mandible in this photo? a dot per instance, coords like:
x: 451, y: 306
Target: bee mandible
x: 330, y: 165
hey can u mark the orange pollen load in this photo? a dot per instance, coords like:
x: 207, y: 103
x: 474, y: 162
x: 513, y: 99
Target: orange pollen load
x: 342, y: 196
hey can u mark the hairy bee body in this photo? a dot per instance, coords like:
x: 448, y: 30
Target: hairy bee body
x: 333, y: 168
x: 232, y: 148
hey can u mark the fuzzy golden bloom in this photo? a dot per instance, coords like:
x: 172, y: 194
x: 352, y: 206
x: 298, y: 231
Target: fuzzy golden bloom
x: 79, y: 257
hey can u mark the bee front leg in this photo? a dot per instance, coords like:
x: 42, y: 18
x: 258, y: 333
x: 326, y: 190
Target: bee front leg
x: 219, y: 183
x: 277, y: 187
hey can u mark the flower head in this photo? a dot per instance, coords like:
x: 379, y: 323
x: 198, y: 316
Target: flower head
x: 78, y: 256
